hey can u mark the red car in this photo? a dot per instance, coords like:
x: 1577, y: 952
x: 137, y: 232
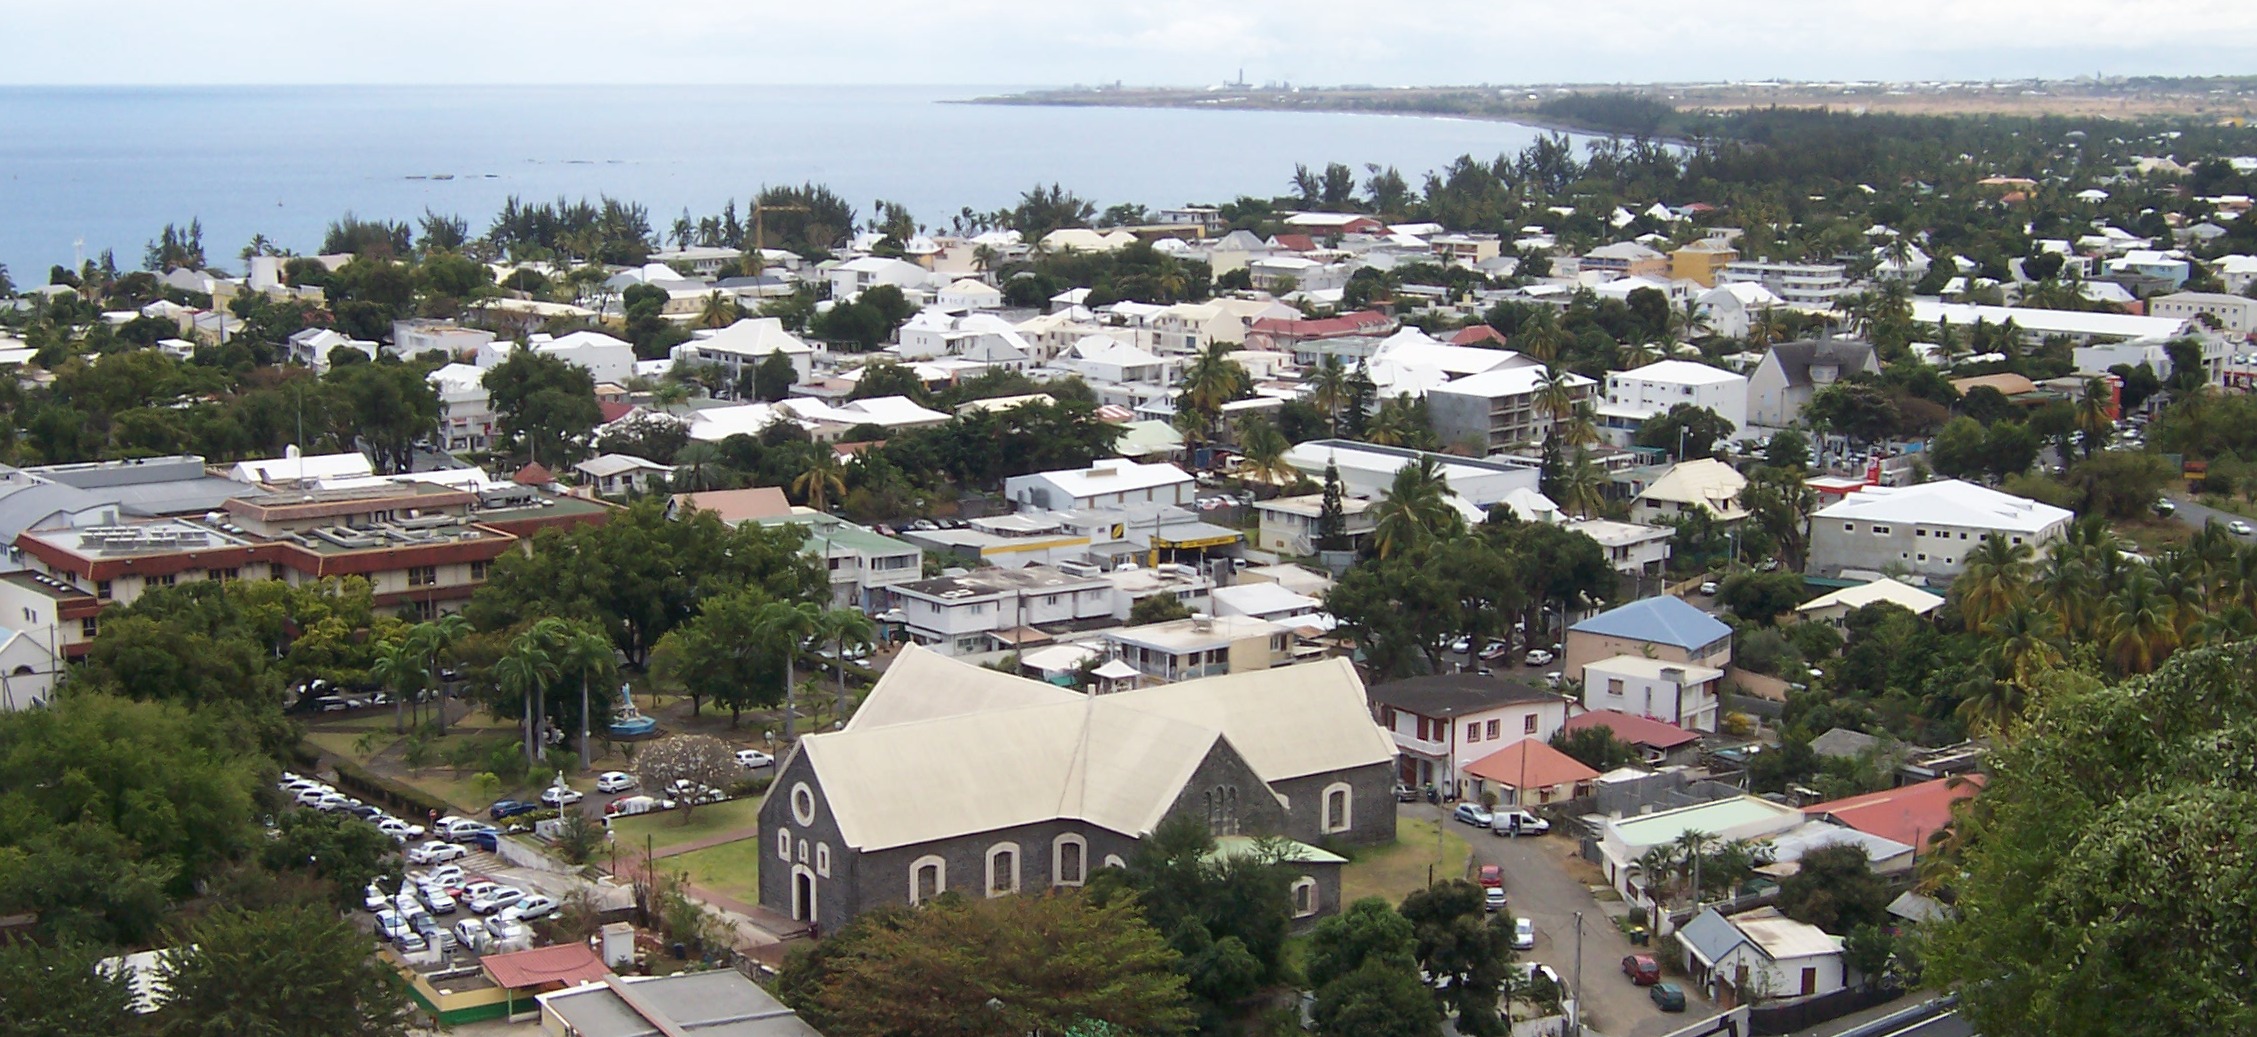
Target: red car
x: 1493, y: 875
x: 1641, y: 969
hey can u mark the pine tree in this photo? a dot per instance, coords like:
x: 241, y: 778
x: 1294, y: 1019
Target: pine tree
x: 1332, y: 517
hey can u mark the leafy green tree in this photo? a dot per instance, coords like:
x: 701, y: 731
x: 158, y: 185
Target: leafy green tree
x: 774, y: 377
x: 1788, y: 449
x: 1458, y: 938
x: 1363, y: 965
x: 1045, y: 209
x: 1959, y: 449
x: 2009, y: 449
x: 1863, y: 412
x: 1158, y: 608
x: 1779, y: 502
x: 887, y: 378
x: 1001, y: 966
x: 1228, y: 919
x: 543, y: 406
x: 866, y: 321
x: 1596, y: 747
x: 344, y: 851
x: 1761, y: 597
x: 386, y: 407
x: 62, y: 991
x: 2118, y: 484
x: 1687, y: 432
x: 1835, y: 889
x: 720, y: 655
x: 294, y: 971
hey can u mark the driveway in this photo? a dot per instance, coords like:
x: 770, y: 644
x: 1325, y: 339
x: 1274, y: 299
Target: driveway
x: 1541, y: 888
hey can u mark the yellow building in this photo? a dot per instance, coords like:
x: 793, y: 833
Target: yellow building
x: 1701, y: 261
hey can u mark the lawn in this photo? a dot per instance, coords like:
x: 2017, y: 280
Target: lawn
x: 730, y: 869
x: 2152, y: 536
x: 667, y: 828
x: 1392, y: 871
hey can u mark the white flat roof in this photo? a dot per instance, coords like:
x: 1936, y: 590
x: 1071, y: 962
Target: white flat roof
x: 1949, y: 502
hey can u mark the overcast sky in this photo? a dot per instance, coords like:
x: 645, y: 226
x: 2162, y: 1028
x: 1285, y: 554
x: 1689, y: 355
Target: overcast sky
x: 1164, y: 42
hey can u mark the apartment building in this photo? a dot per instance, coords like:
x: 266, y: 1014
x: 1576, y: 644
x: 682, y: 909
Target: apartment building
x: 1925, y: 529
x: 1682, y: 695
x: 1496, y: 411
x: 1799, y: 284
x: 1626, y: 259
x: 1202, y: 646
x: 1288, y: 525
x: 1636, y: 395
x: 1701, y: 261
x: 2234, y: 313
x: 865, y: 566
x: 1442, y: 723
x: 988, y: 609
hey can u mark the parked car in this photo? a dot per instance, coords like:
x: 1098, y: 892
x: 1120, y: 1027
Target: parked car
x: 497, y: 898
x: 509, y: 808
x: 467, y: 833
x: 1524, y: 934
x: 1667, y: 997
x: 508, y: 932
x: 390, y: 924
x: 435, y: 897
x: 375, y: 899
x: 1405, y: 793
x: 629, y: 806
x: 561, y: 796
x: 1492, y: 875
x: 2164, y: 506
x: 1462, y: 645
x: 1708, y: 588
x: 614, y: 781
x: 1493, y: 899
x: 754, y: 759
x: 445, y: 876
x: 473, y: 890
x: 435, y: 852
x: 1642, y: 969
x: 484, y: 839
x: 1516, y: 821
x: 471, y: 933
x: 1473, y: 814
x: 1538, y: 657
x: 399, y: 830
x: 530, y: 908
x: 1494, y: 651
x: 412, y: 942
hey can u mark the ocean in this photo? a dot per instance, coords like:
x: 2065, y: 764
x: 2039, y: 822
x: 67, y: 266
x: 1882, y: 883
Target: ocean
x: 87, y: 169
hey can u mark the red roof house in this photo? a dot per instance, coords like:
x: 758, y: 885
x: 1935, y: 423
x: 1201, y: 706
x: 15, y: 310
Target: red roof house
x: 535, y: 474
x: 1658, y: 740
x: 1908, y: 815
x: 1477, y: 335
x: 1549, y: 774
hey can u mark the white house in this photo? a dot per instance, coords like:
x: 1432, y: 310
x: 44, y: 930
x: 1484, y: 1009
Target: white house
x: 28, y: 670
x: 1705, y: 484
x: 1760, y: 955
x: 1733, y: 308
x: 1622, y: 840
x: 313, y: 346
x: 964, y: 615
x: 1682, y: 695
x: 740, y: 347
x: 1103, y: 359
x: 608, y: 359
x: 1265, y: 600
x: 848, y: 279
x: 1367, y: 470
x: 970, y: 294
x: 620, y: 474
x: 2234, y: 313
x: 1636, y: 395
x: 1925, y: 529
x: 1835, y: 607
x: 1632, y: 549
x: 411, y: 337
x: 1105, y: 481
x: 466, y: 409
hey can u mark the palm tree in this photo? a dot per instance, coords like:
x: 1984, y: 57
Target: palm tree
x: 587, y: 653
x: 1211, y: 380
x: 1582, y: 488
x: 1264, y: 449
x: 843, y: 627
x: 1541, y: 337
x: 700, y: 465
x: 785, y: 626
x: 2066, y: 589
x: 399, y: 666
x: 1990, y: 705
x: 2024, y: 642
x: 1690, y: 846
x: 2141, y: 628
x: 2093, y: 422
x: 1393, y: 424
x: 524, y: 670
x: 719, y: 311
x: 1766, y: 328
x: 433, y: 637
x: 2234, y: 622
x: 1690, y: 320
x: 1554, y: 396
x: 823, y: 477
x: 1993, y: 579
x: 1416, y: 507
x: 1656, y: 863
x: 1328, y: 389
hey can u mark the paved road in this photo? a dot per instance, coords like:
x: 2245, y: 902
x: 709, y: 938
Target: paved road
x: 2196, y: 514
x: 1541, y: 888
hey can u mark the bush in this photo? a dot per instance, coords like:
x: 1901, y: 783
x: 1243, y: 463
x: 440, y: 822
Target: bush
x: 1739, y: 725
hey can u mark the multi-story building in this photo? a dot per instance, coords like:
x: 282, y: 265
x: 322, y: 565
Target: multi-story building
x: 1664, y: 628
x: 989, y: 609
x: 1496, y: 411
x: 1288, y: 525
x: 1445, y: 722
x: 1626, y: 259
x: 1701, y: 261
x: 865, y: 566
x: 414, y: 337
x: 1680, y: 694
x: 466, y: 408
x: 2234, y: 313
x: 1367, y: 470
x: 1793, y: 372
x: 1202, y: 646
x: 1635, y: 395
x: 1632, y: 549
x: 1799, y: 284
x: 740, y: 347
x: 1925, y: 529
x: 1107, y: 481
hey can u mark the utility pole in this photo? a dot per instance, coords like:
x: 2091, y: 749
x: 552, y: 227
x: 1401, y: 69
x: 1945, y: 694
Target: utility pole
x: 1575, y: 1021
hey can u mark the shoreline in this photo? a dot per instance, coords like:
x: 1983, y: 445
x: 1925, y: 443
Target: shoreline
x: 1526, y: 120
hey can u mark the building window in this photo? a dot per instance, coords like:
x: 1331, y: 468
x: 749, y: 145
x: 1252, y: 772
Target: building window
x: 224, y: 575
x: 423, y: 575
x: 1880, y: 531
x: 1849, y: 527
x: 1473, y: 731
x: 803, y: 851
x: 1304, y: 897
x: 928, y: 878
x: 1339, y: 809
x: 823, y: 859
x: 275, y: 571
x: 1614, y: 685
x: 803, y: 804
x: 1113, y: 860
x: 162, y: 581
x: 1528, y: 724
x: 478, y: 571
x: 102, y: 589
x: 784, y: 845
x: 1493, y: 728
x: 1069, y: 855
x: 88, y: 627
x: 1002, y: 869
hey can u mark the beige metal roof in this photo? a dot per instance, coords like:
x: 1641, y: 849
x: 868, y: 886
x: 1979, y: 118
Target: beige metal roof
x: 1781, y: 937
x: 942, y: 748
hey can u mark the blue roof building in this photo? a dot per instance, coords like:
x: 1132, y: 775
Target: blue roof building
x: 1663, y: 628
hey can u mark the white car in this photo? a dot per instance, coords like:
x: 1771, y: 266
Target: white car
x: 435, y: 852
x: 390, y: 924
x: 2239, y: 528
x: 1538, y: 657
x: 375, y: 899
x: 399, y: 830
x: 471, y: 933
x: 1524, y: 934
x: 331, y: 802
x: 508, y: 932
x: 754, y: 759
x: 614, y: 781
x: 530, y: 908
x: 446, y: 875
x: 496, y: 898
x: 312, y: 796
x: 560, y: 796
x: 434, y: 896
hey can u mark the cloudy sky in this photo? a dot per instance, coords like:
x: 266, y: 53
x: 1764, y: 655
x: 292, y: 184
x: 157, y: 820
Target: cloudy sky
x: 1173, y: 42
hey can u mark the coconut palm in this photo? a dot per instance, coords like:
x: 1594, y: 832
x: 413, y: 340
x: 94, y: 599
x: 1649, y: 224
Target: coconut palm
x: 2141, y: 628
x: 700, y: 465
x: 1211, y: 380
x: 719, y: 311
x: 1541, y: 336
x: 1767, y: 327
x: 2093, y: 422
x: 1416, y: 508
x: 1690, y: 320
x: 843, y: 627
x: 1264, y: 449
x: 824, y: 476
x: 1582, y: 487
x: 2067, y: 590
x: 524, y: 670
x: 1993, y: 579
x: 2234, y: 622
x: 1555, y: 397
x: 1395, y: 423
x: 2023, y: 643
x: 1328, y: 389
x: 1690, y: 846
x: 584, y: 652
x: 399, y: 666
x: 1989, y: 706
x: 784, y: 629
x: 1656, y: 863
x: 432, y: 638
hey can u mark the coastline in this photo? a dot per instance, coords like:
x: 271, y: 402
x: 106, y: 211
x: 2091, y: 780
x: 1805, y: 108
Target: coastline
x: 1186, y: 101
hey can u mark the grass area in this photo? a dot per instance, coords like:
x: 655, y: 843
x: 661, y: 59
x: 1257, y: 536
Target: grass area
x: 1392, y: 871
x: 2151, y: 536
x: 668, y: 829
x: 340, y: 743
x: 730, y: 869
